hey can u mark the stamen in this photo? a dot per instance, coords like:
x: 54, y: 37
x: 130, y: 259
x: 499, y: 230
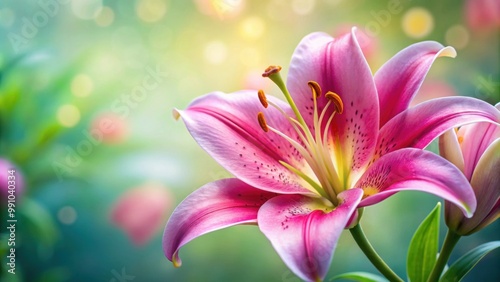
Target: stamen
x: 271, y: 70
x: 309, y: 180
x: 315, y: 88
x: 337, y: 101
x: 262, y: 122
x: 263, y: 99
x: 460, y: 140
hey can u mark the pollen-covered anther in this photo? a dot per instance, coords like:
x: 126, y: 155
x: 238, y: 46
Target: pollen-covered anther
x: 262, y: 121
x: 263, y: 98
x: 315, y: 88
x: 337, y: 101
x: 271, y: 70
x: 460, y: 140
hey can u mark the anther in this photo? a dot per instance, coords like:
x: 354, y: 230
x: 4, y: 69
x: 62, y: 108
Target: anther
x: 262, y: 122
x: 263, y: 99
x: 337, y: 101
x: 271, y: 70
x: 315, y: 88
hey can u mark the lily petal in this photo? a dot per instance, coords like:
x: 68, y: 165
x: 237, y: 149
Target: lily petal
x: 214, y: 206
x: 304, y: 235
x: 486, y: 184
x: 399, y: 79
x: 418, y: 126
x: 226, y: 126
x: 338, y: 65
x: 473, y: 147
x: 419, y: 170
x: 449, y: 148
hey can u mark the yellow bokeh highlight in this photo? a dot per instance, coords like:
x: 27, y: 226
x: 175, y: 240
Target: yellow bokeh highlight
x: 105, y: 17
x: 303, y: 7
x: 215, y: 52
x: 457, y: 36
x: 151, y: 10
x: 68, y: 115
x: 81, y: 85
x: 250, y: 57
x: 418, y: 22
x: 252, y: 28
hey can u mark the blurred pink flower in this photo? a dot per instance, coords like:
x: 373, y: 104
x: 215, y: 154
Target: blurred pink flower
x: 475, y: 150
x: 431, y: 90
x: 13, y: 179
x: 482, y: 14
x: 142, y: 211
x: 109, y: 128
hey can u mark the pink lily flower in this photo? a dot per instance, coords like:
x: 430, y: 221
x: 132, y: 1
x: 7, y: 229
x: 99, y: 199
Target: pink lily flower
x: 303, y: 168
x: 475, y: 150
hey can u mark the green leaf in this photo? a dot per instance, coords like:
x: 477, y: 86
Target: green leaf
x: 423, y: 249
x: 464, y: 264
x: 360, y: 277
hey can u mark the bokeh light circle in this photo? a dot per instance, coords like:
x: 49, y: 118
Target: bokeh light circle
x: 68, y: 115
x: 252, y: 28
x: 215, y: 52
x: 457, y: 36
x: 67, y: 215
x: 86, y: 9
x: 303, y: 7
x: 151, y: 10
x: 81, y: 85
x: 418, y: 22
x: 105, y: 17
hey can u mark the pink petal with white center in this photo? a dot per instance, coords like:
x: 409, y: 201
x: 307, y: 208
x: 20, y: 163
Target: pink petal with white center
x: 305, y: 232
x: 419, y: 170
x: 399, y: 79
x: 338, y: 65
x: 486, y: 184
x: 214, y: 206
x: 418, y: 126
x: 226, y: 126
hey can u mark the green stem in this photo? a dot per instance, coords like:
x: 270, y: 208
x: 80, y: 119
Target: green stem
x: 450, y: 241
x: 360, y: 238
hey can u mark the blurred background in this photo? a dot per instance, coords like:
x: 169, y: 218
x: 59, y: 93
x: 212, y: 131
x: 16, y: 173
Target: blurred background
x: 87, y: 89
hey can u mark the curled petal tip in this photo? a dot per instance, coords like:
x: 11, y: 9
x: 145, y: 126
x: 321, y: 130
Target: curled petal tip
x: 176, y: 261
x: 448, y: 51
x: 468, y: 212
x: 176, y: 114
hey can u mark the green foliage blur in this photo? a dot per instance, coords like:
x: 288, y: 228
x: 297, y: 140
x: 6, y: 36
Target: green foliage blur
x: 65, y: 66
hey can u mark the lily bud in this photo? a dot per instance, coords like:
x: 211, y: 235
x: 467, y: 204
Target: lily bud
x: 475, y: 150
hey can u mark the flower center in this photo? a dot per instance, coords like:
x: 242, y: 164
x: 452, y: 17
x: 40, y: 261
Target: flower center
x: 314, y: 142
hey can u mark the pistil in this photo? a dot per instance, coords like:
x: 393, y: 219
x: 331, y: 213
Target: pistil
x: 316, y: 150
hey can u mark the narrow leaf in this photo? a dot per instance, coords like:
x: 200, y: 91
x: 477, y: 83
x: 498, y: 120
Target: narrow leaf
x: 360, y: 277
x: 423, y: 248
x: 465, y: 264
